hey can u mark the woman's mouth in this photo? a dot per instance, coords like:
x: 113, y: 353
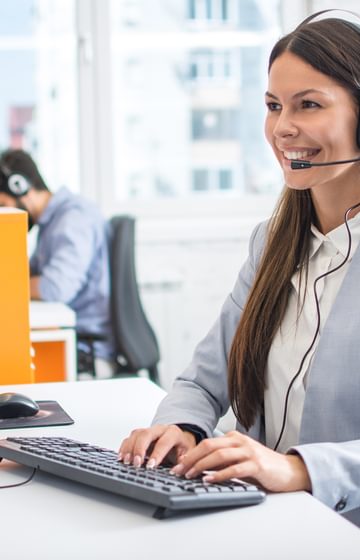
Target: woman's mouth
x: 300, y: 154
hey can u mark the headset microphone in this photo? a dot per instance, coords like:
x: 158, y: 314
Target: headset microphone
x: 304, y: 164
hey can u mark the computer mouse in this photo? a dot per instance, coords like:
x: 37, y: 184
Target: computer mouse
x: 16, y: 405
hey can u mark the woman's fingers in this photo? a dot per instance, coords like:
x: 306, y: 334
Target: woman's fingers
x: 157, y: 442
x: 231, y: 456
x: 172, y: 438
x: 243, y: 470
x: 217, y: 460
x: 210, y: 453
x: 138, y: 443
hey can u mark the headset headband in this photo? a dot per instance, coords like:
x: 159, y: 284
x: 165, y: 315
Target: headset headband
x: 313, y: 17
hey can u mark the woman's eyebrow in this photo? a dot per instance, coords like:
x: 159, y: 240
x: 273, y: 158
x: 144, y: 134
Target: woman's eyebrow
x: 299, y: 94
x: 268, y: 94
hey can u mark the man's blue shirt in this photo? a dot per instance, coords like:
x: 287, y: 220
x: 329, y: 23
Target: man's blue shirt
x: 71, y: 258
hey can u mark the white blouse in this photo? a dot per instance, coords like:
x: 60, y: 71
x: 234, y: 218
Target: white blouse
x: 296, y: 333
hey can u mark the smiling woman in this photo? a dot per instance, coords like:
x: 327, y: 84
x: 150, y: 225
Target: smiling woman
x: 284, y: 351
x: 317, y: 124
x: 314, y: 115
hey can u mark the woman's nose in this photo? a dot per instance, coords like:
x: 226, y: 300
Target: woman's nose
x: 285, y: 126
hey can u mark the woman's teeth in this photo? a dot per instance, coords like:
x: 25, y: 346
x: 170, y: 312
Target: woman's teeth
x: 300, y: 155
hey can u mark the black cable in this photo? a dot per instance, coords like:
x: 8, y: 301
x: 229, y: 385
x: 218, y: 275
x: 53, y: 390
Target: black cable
x: 20, y: 483
x: 317, y: 324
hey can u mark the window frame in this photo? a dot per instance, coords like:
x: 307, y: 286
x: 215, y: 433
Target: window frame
x: 96, y: 136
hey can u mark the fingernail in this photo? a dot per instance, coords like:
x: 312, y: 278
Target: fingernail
x: 190, y: 473
x: 151, y: 464
x: 127, y: 459
x: 120, y: 456
x: 137, y: 461
x: 208, y: 478
x: 177, y: 470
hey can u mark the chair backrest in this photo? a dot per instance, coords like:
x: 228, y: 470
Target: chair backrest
x: 135, y: 340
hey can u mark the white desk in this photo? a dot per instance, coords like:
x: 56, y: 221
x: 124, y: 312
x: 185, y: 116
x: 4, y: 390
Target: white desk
x: 53, y: 337
x: 53, y: 519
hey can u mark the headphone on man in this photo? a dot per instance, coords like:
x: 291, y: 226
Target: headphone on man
x: 13, y: 184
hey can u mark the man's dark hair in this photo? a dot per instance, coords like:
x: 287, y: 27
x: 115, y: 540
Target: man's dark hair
x: 19, y: 161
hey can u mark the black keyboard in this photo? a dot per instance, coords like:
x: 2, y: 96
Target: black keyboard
x: 99, y: 467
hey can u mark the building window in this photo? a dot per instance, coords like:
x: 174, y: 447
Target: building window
x: 217, y: 124
x: 200, y: 180
x: 224, y: 10
x: 212, y: 179
x: 225, y: 179
x: 192, y: 9
x: 213, y: 66
x: 214, y: 10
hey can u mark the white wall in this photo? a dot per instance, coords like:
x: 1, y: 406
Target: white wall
x: 184, y: 282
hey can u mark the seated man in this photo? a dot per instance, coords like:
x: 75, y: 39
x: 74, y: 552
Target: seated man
x: 70, y: 262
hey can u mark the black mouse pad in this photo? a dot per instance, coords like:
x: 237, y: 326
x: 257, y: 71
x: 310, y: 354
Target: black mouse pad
x: 50, y: 414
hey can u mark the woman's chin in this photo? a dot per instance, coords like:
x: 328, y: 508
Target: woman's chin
x: 296, y: 185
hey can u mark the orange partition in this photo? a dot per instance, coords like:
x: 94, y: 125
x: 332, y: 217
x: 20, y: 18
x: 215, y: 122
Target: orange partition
x: 49, y: 361
x: 15, y: 361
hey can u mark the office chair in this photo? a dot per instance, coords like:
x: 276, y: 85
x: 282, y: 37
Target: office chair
x: 135, y: 341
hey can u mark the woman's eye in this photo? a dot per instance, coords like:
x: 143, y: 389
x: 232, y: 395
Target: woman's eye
x: 307, y: 104
x: 272, y: 106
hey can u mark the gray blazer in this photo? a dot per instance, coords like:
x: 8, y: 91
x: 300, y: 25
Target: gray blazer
x: 329, y: 440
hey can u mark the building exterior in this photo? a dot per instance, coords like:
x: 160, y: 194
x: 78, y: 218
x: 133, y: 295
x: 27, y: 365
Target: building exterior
x: 188, y: 84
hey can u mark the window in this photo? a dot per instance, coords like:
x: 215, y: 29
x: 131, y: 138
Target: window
x: 212, y: 180
x: 188, y: 84
x: 154, y: 100
x: 213, y: 67
x: 217, y: 124
x: 200, y: 180
x: 225, y: 179
x: 213, y: 10
x: 38, y: 93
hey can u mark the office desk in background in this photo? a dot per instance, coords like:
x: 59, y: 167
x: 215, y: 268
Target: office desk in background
x: 52, y: 519
x: 53, y: 338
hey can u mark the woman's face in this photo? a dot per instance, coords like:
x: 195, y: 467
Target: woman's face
x: 310, y: 117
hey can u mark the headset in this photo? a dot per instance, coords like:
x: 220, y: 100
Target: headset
x: 13, y: 184
x: 302, y: 164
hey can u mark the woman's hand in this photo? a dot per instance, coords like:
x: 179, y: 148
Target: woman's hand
x: 235, y: 455
x: 158, y: 442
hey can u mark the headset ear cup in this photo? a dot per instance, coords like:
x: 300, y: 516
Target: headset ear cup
x: 17, y: 184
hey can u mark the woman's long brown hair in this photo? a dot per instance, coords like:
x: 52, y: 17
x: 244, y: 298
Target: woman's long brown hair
x: 331, y: 46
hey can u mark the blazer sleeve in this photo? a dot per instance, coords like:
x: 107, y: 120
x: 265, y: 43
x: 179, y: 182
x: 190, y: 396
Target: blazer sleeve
x: 200, y: 395
x: 334, y: 470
